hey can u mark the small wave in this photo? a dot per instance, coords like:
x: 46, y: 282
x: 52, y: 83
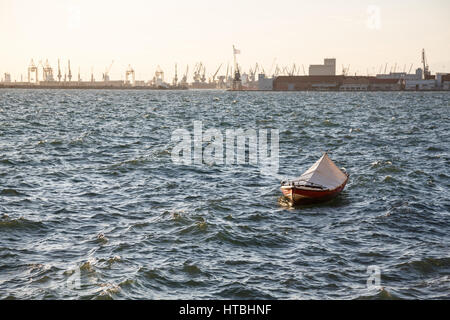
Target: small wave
x: 88, y: 266
x: 11, y: 192
x: 240, y: 291
x: 108, y: 291
x: 236, y: 262
x: 381, y: 294
x: 191, y: 269
x: 380, y: 163
x: 427, y: 265
x: 196, y: 228
x: 19, y: 224
x: 434, y: 149
x: 234, y: 238
x: 51, y: 142
x: 7, y: 161
x: 130, y: 162
x: 90, y: 194
x: 329, y: 123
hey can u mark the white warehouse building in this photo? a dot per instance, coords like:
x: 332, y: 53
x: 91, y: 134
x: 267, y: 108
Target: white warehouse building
x: 420, y: 84
x: 328, y: 68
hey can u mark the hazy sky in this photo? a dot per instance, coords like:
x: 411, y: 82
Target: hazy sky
x: 147, y: 33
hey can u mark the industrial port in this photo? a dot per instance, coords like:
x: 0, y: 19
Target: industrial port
x: 320, y: 77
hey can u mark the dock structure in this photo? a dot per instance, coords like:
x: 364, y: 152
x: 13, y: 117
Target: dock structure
x: 321, y: 77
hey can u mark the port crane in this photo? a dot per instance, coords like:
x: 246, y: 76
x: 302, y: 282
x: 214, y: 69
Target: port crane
x: 175, y: 78
x: 130, y: 72
x: 277, y: 71
x: 47, y: 71
x: 262, y: 69
x: 344, y: 72
x: 197, y: 70
x: 271, y: 67
x: 293, y: 71
x: 253, y: 72
x: 203, y: 77
x: 426, y: 70
x: 32, y: 69
x: 70, y: 72
x: 159, y: 76
x: 215, y: 74
x: 106, y: 74
x: 410, y: 68
x: 184, y: 78
x: 59, y: 72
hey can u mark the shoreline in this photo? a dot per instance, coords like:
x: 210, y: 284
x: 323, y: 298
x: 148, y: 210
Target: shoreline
x: 38, y: 87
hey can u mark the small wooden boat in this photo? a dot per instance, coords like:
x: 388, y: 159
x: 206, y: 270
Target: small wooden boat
x: 322, y: 182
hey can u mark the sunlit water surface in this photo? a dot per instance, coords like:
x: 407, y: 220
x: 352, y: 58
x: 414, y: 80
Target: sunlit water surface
x: 92, y: 206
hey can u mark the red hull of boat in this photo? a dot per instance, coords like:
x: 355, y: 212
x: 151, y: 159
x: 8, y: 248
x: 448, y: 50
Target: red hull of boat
x: 298, y: 195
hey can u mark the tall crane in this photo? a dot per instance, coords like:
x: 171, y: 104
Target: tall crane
x: 197, y: 69
x: 32, y: 69
x: 175, y: 79
x: 293, y: 70
x: 184, y: 78
x: 215, y: 74
x: 262, y: 69
x: 47, y: 71
x: 344, y: 71
x: 59, y: 72
x: 106, y: 74
x: 426, y: 70
x: 70, y: 73
x: 92, y: 74
x: 203, y: 78
x: 410, y: 68
x: 130, y: 72
x: 277, y: 71
x: 271, y: 67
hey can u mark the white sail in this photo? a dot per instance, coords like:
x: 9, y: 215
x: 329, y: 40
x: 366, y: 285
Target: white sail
x: 323, y: 173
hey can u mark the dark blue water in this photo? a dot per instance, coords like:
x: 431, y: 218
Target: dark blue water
x: 92, y: 206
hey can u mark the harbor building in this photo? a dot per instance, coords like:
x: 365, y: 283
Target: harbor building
x: 328, y: 68
x: 333, y: 83
x: 445, y: 81
x: 377, y: 84
x: 355, y: 84
x: 302, y: 83
x: 402, y: 75
x: 264, y: 84
x: 420, y: 84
